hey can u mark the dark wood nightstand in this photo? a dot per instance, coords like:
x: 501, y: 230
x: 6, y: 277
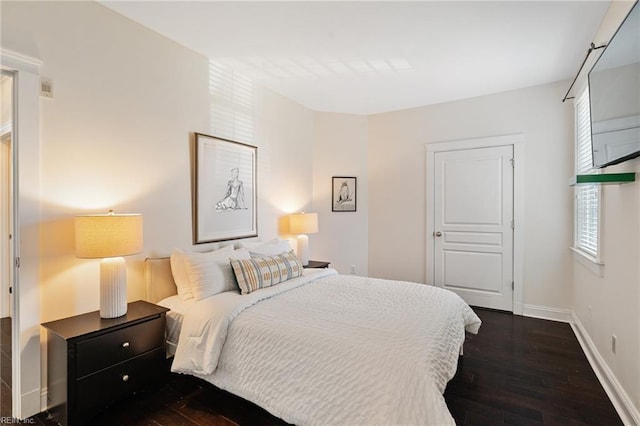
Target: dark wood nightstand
x: 318, y: 264
x: 92, y: 362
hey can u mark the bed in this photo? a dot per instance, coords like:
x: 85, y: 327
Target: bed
x: 322, y: 348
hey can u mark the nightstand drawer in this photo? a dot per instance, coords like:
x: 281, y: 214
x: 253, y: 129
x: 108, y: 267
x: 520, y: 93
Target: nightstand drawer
x: 108, y: 349
x: 96, y: 391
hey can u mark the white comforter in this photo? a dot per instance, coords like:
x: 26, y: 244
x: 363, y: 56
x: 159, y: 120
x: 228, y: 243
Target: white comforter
x: 331, y: 349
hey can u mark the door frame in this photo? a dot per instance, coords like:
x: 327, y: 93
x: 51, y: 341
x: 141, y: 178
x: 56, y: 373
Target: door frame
x: 25, y: 334
x: 517, y: 142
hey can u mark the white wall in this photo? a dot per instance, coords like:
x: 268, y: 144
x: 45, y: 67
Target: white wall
x: 117, y: 135
x: 397, y: 174
x: 340, y: 149
x: 6, y: 104
x: 610, y: 304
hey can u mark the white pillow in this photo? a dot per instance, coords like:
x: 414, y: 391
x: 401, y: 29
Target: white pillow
x: 250, y: 244
x: 272, y: 248
x: 213, y: 274
x: 179, y: 271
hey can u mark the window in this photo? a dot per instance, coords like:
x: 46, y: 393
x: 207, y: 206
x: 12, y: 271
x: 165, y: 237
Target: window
x: 231, y: 104
x: 587, y: 205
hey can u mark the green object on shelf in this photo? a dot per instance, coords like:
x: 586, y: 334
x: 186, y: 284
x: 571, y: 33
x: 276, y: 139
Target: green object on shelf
x: 603, y: 179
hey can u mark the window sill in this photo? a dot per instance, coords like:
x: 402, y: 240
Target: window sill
x: 593, y: 264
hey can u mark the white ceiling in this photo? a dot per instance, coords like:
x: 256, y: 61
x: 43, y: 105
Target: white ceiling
x: 371, y: 57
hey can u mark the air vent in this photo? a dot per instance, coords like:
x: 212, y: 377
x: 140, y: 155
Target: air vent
x: 46, y: 88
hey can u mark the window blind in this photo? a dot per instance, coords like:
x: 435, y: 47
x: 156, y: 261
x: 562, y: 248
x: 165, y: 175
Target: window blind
x: 587, y: 207
x: 231, y: 104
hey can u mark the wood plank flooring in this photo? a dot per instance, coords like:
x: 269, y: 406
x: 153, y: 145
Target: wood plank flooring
x: 516, y: 371
x: 5, y: 367
x: 525, y: 371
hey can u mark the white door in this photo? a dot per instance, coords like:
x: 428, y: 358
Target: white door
x: 473, y: 218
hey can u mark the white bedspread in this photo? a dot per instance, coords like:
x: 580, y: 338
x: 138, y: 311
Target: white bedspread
x: 331, y: 349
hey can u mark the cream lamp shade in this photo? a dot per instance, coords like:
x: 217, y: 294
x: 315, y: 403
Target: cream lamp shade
x: 303, y: 224
x: 109, y: 237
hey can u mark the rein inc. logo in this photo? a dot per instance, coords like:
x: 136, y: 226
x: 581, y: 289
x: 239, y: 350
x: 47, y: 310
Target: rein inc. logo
x: 14, y: 421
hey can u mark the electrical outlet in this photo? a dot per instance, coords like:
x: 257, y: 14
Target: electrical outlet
x: 614, y: 343
x: 353, y: 269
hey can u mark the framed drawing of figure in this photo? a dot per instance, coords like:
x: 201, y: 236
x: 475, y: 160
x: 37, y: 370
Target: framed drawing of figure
x: 225, y: 195
x: 344, y: 193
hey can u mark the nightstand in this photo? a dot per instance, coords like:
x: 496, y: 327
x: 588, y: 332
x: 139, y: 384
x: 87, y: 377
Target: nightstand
x: 318, y: 264
x: 93, y: 362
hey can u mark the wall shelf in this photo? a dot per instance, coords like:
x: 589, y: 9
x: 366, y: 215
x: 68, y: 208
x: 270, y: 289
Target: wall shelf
x: 603, y: 179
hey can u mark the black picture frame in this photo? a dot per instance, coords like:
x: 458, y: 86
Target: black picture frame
x: 344, y: 193
x: 226, y: 195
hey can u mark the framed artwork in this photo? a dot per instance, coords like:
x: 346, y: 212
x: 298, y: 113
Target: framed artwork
x: 225, y: 204
x: 343, y: 194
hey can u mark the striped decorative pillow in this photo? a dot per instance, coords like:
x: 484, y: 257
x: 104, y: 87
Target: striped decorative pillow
x: 265, y: 271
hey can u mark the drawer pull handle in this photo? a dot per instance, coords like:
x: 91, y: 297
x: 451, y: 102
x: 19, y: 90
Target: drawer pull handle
x: 125, y: 377
x: 125, y: 345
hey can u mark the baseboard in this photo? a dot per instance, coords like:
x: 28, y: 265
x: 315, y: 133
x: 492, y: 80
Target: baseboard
x: 44, y: 404
x: 619, y: 398
x: 30, y: 403
x: 518, y: 308
x: 543, y: 312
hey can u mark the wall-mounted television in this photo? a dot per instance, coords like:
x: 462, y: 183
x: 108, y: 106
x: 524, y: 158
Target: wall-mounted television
x: 614, y: 96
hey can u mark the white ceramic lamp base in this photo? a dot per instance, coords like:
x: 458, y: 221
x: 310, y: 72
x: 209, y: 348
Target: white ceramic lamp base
x: 113, y: 287
x: 303, y: 249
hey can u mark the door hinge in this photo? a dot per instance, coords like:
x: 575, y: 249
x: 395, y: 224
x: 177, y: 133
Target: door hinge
x: 513, y: 285
x: 513, y: 225
x: 10, y: 290
x: 17, y: 262
x: 513, y: 162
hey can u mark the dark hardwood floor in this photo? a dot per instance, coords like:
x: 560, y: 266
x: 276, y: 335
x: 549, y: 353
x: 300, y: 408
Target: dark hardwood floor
x: 516, y: 371
x: 526, y: 371
x: 5, y: 367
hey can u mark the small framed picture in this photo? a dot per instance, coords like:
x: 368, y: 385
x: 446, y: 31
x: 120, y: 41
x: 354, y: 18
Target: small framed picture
x: 344, y: 194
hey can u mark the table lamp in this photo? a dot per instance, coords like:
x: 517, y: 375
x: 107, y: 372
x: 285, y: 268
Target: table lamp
x: 109, y: 237
x: 302, y: 224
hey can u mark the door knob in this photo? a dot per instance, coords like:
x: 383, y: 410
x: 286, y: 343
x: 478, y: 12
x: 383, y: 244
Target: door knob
x: 437, y: 234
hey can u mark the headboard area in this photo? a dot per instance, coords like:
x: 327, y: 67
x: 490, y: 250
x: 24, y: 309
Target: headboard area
x: 158, y: 279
